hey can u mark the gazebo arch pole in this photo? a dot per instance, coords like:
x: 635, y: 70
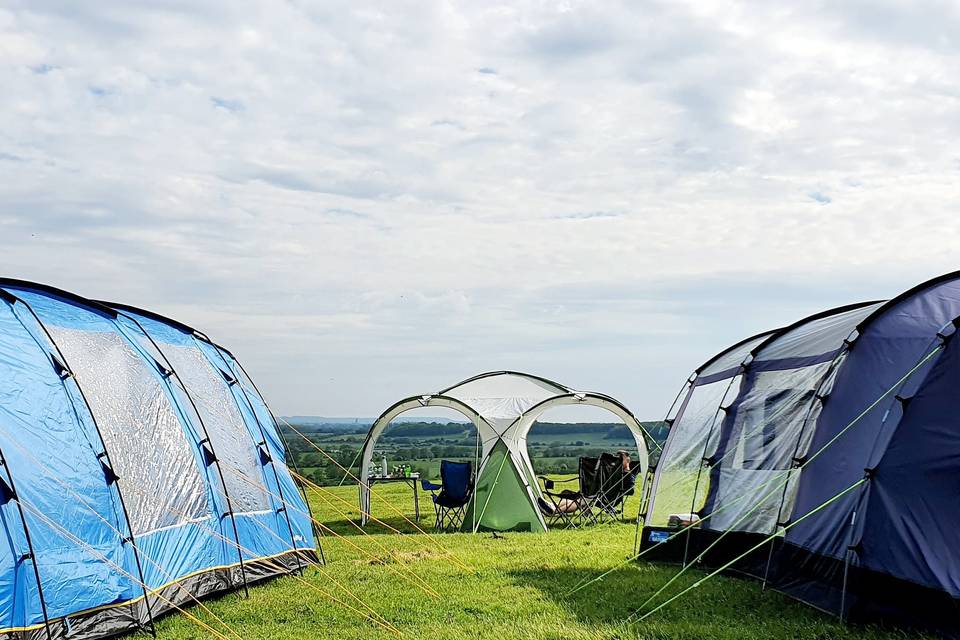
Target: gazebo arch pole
x: 382, y: 422
x: 523, y: 423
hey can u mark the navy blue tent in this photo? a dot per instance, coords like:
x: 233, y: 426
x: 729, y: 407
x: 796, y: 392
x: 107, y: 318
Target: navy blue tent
x: 139, y: 469
x: 776, y: 427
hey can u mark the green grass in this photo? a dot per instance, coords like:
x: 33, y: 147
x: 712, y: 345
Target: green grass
x: 517, y: 587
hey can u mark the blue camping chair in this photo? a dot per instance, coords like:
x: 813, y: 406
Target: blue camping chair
x: 455, y: 491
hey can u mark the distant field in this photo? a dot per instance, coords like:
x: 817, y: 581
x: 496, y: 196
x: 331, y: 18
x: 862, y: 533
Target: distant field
x: 590, y: 438
x: 514, y: 586
x: 553, y: 447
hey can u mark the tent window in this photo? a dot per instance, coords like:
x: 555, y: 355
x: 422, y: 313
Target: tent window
x: 758, y: 446
x: 157, y: 472
x: 228, y: 434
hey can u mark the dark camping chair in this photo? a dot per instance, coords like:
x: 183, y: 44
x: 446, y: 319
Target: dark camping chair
x: 573, y: 508
x: 604, y: 488
x: 616, y: 485
x: 455, y: 490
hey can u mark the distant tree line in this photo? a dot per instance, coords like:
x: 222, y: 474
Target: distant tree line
x: 420, y: 443
x: 427, y: 429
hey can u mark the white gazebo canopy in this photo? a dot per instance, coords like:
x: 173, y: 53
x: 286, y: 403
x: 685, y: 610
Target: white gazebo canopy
x: 503, y: 406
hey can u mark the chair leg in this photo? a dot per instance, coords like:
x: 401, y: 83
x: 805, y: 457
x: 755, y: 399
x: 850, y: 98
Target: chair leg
x: 449, y: 518
x: 559, y: 516
x: 570, y: 521
x: 456, y: 518
x: 589, y: 513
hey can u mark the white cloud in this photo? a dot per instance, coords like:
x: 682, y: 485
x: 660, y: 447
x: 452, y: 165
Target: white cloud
x: 364, y: 202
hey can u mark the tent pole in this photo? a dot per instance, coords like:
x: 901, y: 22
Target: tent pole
x: 209, y: 443
x: 273, y: 467
x: 636, y: 535
x: 317, y: 532
x: 646, y: 502
x: 496, y: 479
x: 703, y: 459
x: 851, y: 546
x: 846, y: 564
x: 843, y: 592
x: 323, y: 557
x: 31, y: 555
x: 766, y: 570
x: 818, y: 396
x: 636, y: 532
x: 103, y: 457
x: 476, y: 477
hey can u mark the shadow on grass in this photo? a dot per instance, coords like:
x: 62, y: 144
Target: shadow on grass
x: 726, y: 607
x: 348, y: 525
x: 726, y: 601
x: 610, y: 600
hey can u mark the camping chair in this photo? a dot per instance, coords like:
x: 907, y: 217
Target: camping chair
x: 616, y: 485
x: 552, y: 510
x: 455, y: 490
x: 583, y: 500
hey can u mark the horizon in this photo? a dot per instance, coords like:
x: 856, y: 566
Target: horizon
x: 360, y: 420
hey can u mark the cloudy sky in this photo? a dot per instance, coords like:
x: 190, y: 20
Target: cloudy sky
x: 368, y: 200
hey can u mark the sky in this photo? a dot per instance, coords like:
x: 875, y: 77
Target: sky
x: 365, y: 201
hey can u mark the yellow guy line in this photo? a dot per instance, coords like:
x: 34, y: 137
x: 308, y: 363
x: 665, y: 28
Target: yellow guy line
x: 164, y: 572
x: 89, y: 549
x: 392, y: 508
x: 417, y: 581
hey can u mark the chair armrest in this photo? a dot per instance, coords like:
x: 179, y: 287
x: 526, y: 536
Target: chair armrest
x: 429, y: 486
x: 548, y: 483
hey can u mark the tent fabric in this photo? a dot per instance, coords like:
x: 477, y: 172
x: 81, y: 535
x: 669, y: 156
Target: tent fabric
x: 693, y: 431
x: 501, y: 484
x: 116, y: 429
x: 503, y: 406
x: 765, y: 426
x: 866, y: 392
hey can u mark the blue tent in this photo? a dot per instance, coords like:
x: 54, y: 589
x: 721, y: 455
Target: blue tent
x: 140, y: 469
x: 836, y: 441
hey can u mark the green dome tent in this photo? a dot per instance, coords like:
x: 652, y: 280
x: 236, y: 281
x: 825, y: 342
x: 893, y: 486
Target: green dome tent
x: 503, y: 406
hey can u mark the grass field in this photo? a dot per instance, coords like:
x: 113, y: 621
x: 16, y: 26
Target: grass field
x: 516, y: 587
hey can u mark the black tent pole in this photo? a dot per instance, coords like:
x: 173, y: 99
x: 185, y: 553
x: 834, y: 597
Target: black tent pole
x: 209, y: 443
x: 103, y: 457
x: 26, y: 534
x: 318, y: 534
x: 270, y: 460
x: 293, y: 458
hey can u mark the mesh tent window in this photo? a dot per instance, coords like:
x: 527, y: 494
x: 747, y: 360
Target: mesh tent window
x: 863, y: 396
